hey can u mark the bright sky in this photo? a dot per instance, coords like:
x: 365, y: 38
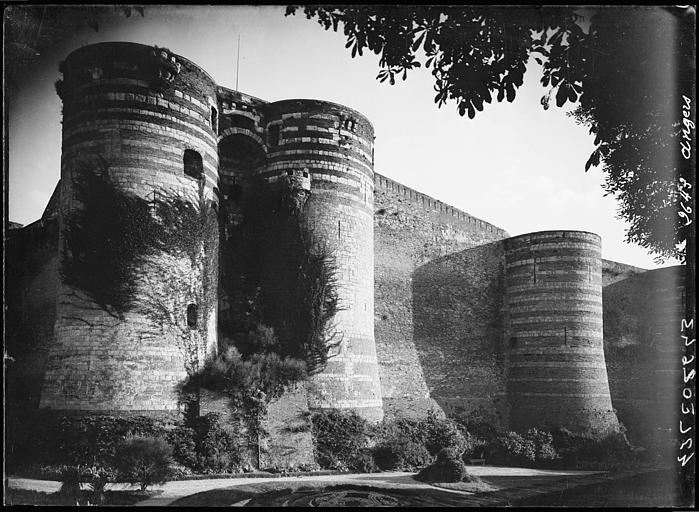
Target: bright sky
x: 515, y: 165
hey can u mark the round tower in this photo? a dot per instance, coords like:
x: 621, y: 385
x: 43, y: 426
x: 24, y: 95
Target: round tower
x: 145, y: 120
x: 556, y: 369
x: 321, y: 153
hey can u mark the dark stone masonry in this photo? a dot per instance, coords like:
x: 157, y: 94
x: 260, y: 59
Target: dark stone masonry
x: 442, y: 310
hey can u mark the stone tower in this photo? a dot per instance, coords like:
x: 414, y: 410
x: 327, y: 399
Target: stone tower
x: 150, y: 117
x: 556, y: 370
x: 325, y: 150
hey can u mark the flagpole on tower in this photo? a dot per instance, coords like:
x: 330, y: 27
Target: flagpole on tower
x: 237, y: 65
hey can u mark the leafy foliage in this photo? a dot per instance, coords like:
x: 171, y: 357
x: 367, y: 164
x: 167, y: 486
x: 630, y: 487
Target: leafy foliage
x: 513, y: 448
x: 277, y: 272
x: 85, y: 441
x: 184, y: 449
x: 98, y: 479
x: 71, y: 479
x: 617, y: 67
x: 260, y: 377
x: 447, y: 468
x: 340, y: 439
x: 432, y: 432
x: 112, y: 239
x: 401, y: 453
x: 611, y: 452
x: 216, y: 450
x: 343, y: 439
x: 106, y: 235
x: 188, y: 230
x: 250, y: 382
x: 144, y: 461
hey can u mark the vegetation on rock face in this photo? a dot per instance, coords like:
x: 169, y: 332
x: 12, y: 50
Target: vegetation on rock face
x: 277, y: 272
x: 106, y: 234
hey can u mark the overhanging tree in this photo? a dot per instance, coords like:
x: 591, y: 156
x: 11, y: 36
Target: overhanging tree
x: 622, y: 65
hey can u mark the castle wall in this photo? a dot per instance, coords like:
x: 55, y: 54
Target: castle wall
x: 138, y: 110
x: 31, y: 289
x: 642, y: 316
x: 333, y: 146
x: 556, y: 368
x: 463, y: 319
x: 418, y: 339
x: 458, y: 331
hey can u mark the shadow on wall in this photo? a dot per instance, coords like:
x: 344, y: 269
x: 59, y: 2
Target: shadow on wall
x: 643, y: 351
x: 458, y: 326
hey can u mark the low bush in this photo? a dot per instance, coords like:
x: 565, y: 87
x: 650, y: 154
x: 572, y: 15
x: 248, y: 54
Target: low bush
x: 98, y: 479
x: 71, y: 478
x: 401, y: 454
x: 448, y: 467
x: 512, y: 448
x: 474, y: 447
x: 586, y: 452
x: 432, y: 432
x: 91, y: 440
x: 215, y: 449
x: 543, y: 443
x: 339, y: 438
x: 533, y: 448
x: 144, y: 461
x: 364, y: 462
x: 184, y: 449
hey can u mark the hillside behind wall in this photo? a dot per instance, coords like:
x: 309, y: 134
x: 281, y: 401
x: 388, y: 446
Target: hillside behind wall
x: 421, y: 309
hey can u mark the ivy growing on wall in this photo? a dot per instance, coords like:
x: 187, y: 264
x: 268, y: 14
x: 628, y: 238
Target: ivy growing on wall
x: 278, y: 272
x: 182, y: 292
x: 106, y: 234
x: 157, y: 256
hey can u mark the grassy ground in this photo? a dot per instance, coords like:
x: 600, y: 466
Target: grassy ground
x: 474, y: 486
x: 118, y: 498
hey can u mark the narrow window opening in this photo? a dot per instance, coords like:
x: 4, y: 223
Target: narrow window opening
x: 513, y: 342
x: 534, y: 268
x: 193, y: 165
x: 273, y: 135
x: 214, y: 119
x: 338, y: 229
x: 192, y: 316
